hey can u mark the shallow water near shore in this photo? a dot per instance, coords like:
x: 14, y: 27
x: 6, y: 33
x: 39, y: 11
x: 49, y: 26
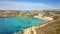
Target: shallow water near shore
x: 10, y: 25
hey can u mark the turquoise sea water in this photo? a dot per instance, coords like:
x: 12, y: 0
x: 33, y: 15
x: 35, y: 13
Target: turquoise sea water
x: 10, y: 25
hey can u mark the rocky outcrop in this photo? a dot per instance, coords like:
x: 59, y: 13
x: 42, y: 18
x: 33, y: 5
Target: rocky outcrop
x: 8, y: 13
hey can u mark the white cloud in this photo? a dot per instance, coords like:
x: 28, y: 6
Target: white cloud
x: 11, y: 4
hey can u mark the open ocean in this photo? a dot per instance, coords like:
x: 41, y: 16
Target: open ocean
x: 10, y: 25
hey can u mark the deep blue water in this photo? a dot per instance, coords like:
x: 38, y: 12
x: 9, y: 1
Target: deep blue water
x: 10, y: 25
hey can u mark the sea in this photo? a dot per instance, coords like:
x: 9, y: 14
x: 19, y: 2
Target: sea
x: 10, y: 25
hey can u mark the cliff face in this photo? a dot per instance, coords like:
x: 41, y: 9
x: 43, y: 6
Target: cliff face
x: 50, y: 28
x: 7, y: 13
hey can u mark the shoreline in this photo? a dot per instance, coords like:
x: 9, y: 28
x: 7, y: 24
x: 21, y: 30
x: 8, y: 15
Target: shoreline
x: 33, y: 27
x: 28, y: 30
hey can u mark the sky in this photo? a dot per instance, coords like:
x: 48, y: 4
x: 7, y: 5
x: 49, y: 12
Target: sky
x: 29, y: 4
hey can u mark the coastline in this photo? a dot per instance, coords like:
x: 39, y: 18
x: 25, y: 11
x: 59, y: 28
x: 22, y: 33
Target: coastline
x: 28, y: 30
x: 47, y: 18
